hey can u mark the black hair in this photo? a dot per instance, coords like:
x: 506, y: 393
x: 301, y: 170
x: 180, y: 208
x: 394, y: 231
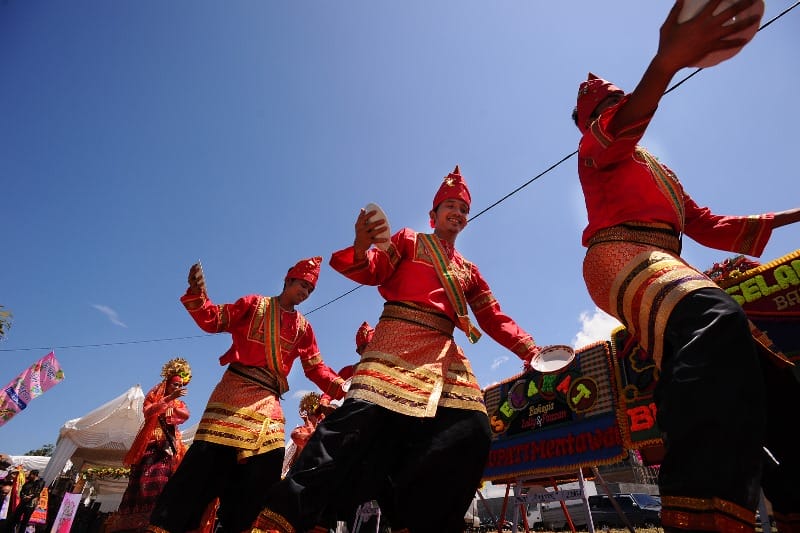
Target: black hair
x: 575, y: 115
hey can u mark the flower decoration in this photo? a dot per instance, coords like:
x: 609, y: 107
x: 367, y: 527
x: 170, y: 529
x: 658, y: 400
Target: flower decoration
x: 730, y: 268
x: 91, y: 474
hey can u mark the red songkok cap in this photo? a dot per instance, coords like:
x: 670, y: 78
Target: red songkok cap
x: 453, y: 186
x: 307, y: 269
x: 363, y: 336
x: 590, y: 93
x: 176, y: 379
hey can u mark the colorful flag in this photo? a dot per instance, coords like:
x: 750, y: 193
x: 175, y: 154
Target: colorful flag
x: 39, y: 515
x: 66, y: 513
x: 33, y: 382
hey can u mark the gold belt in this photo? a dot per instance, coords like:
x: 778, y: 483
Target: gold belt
x: 416, y: 314
x: 659, y: 236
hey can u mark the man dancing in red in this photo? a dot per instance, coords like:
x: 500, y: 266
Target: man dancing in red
x: 414, y: 400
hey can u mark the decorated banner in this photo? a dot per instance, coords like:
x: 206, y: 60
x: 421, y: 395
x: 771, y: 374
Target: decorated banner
x: 769, y: 295
x: 33, y: 382
x: 66, y: 513
x: 636, y: 378
x: 555, y: 422
x: 39, y: 515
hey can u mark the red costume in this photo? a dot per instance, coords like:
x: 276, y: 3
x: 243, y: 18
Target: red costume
x: 652, y: 193
x: 156, y: 451
x: 311, y: 412
x: 698, y: 336
x: 240, y: 414
x: 241, y: 432
x: 404, y: 273
x: 412, y: 432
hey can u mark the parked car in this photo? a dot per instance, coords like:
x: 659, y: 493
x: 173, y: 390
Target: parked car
x: 641, y: 510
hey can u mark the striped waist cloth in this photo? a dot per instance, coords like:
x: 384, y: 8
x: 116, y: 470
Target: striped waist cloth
x: 259, y: 376
x: 421, y: 316
x: 654, y: 235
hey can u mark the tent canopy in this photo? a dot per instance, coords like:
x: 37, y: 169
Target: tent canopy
x: 99, y: 438
x: 28, y: 462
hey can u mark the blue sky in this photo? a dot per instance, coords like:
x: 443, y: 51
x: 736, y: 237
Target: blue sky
x: 139, y: 137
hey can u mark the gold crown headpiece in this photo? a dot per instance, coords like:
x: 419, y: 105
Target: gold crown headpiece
x: 309, y: 404
x: 177, y: 367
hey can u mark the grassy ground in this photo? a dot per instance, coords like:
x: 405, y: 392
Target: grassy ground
x: 638, y: 530
x: 597, y: 530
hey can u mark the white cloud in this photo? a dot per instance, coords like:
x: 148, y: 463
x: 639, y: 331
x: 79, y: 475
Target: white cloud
x: 499, y: 361
x: 298, y: 395
x: 111, y: 314
x: 595, y: 327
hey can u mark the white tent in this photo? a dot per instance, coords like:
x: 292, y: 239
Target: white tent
x: 28, y: 462
x: 101, y: 439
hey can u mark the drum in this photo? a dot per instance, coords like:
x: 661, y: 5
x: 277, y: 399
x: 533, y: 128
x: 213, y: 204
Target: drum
x: 553, y: 358
x: 380, y: 215
x: 692, y: 7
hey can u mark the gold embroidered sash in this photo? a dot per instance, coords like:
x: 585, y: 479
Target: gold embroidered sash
x: 451, y: 285
x: 667, y: 182
x: 272, y: 342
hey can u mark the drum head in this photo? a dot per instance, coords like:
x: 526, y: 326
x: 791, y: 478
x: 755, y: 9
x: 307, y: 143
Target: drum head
x: 553, y: 358
x: 380, y: 215
x: 692, y: 7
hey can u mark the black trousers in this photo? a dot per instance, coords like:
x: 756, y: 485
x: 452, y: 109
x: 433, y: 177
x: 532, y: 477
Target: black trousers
x: 18, y: 520
x: 711, y: 402
x: 782, y: 464
x: 423, y: 471
x: 210, y: 471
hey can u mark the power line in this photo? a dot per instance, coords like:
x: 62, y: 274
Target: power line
x: 491, y: 206
x: 100, y: 345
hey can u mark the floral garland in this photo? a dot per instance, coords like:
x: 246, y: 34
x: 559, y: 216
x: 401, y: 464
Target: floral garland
x: 91, y: 474
x: 730, y: 268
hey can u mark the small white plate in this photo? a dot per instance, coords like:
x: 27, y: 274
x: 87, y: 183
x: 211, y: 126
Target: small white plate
x: 380, y: 215
x: 692, y: 7
x: 553, y: 358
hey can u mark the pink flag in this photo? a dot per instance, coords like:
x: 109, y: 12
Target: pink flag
x: 66, y: 513
x: 33, y: 382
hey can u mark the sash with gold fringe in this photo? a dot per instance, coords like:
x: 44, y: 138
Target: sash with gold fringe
x: 451, y: 286
x: 272, y: 341
x: 666, y: 182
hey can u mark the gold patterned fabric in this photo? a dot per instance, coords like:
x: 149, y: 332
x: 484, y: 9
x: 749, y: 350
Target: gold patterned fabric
x: 244, y: 414
x: 705, y: 514
x: 640, y: 285
x: 787, y: 522
x: 270, y: 522
x: 658, y: 235
x: 413, y: 365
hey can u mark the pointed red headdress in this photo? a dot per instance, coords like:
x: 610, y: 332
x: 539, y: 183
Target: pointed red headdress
x: 590, y: 93
x: 453, y: 186
x: 307, y: 269
x: 363, y: 336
